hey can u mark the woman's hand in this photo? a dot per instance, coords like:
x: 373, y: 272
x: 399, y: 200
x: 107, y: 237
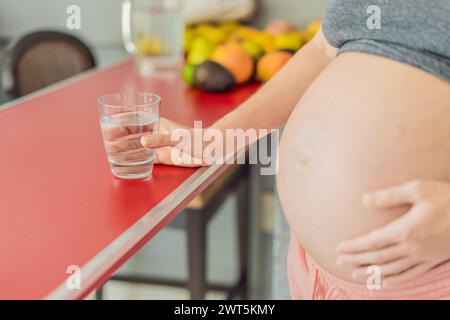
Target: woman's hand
x: 129, y: 143
x: 169, y: 147
x: 409, y: 246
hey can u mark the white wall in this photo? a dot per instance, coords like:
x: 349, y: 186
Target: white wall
x: 101, y: 18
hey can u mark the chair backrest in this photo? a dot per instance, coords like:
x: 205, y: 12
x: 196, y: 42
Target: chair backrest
x: 42, y: 58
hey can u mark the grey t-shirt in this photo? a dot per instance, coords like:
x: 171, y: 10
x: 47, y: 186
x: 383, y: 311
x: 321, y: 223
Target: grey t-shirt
x: 416, y: 32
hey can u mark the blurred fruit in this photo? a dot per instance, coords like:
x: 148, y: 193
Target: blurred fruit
x: 220, y: 56
x: 212, y: 77
x: 265, y: 40
x: 253, y: 49
x: 201, y: 50
x: 200, y: 28
x: 291, y: 52
x: 214, y: 34
x: 290, y: 41
x: 236, y: 60
x: 228, y: 27
x: 188, y: 73
x: 244, y: 33
x: 304, y: 35
x: 189, y: 35
x: 271, y: 63
x: 312, y: 30
x: 149, y: 46
x: 280, y: 26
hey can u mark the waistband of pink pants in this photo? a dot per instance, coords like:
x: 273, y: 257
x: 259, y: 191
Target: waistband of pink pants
x: 308, y: 280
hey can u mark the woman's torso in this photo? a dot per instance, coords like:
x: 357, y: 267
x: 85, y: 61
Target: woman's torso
x: 366, y: 123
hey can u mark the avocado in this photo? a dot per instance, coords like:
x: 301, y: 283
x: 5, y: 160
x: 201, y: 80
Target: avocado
x: 212, y: 77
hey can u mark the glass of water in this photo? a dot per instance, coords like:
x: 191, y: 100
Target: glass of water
x: 153, y: 31
x: 124, y: 119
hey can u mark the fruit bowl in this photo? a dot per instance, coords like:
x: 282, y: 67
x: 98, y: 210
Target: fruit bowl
x: 220, y: 57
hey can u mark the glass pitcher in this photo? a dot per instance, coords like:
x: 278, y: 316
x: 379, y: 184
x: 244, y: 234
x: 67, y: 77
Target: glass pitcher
x: 153, y: 31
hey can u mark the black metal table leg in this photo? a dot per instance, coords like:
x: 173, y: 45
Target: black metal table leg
x: 196, y: 242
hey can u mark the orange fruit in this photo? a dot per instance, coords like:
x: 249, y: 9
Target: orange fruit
x: 236, y: 60
x: 271, y: 63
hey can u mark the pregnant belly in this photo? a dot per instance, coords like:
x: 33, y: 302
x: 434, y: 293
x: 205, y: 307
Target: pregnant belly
x: 366, y: 123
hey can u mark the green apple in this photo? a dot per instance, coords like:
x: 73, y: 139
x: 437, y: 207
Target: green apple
x: 188, y: 73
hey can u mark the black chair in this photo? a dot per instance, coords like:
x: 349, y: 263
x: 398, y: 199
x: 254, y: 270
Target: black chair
x: 194, y: 220
x: 42, y: 58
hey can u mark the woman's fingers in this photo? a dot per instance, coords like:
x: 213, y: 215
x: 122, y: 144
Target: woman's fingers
x: 166, y: 156
x: 409, y: 274
x: 111, y: 133
x: 124, y: 124
x: 374, y: 240
x: 122, y: 145
x: 398, y: 231
x: 155, y: 141
x: 387, y: 270
x: 377, y: 257
x: 407, y: 193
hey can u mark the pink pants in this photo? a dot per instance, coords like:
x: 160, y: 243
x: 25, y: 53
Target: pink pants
x: 307, y: 281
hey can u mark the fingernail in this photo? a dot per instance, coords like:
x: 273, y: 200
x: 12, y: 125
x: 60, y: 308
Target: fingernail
x: 145, y: 141
x: 367, y: 200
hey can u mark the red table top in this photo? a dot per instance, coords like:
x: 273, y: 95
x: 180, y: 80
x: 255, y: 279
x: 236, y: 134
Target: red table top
x: 60, y: 205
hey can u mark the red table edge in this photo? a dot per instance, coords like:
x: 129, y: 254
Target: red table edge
x: 100, y: 268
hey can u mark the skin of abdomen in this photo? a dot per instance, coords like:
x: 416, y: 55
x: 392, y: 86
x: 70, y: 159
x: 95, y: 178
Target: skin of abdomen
x: 366, y: 123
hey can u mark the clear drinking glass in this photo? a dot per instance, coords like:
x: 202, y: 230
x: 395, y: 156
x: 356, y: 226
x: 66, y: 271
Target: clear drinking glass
x: 153, y: 31
x: 124, y: 119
